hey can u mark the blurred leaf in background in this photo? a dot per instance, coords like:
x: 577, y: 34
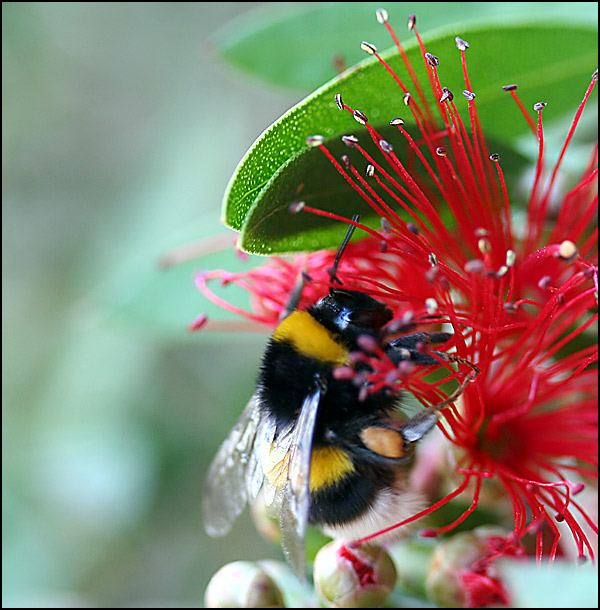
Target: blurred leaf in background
x: 120, y: 132
x: 299, y: 44
x: 121, y: 129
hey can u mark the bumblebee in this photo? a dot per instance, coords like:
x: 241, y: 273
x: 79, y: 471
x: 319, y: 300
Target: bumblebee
x: 321, y: 451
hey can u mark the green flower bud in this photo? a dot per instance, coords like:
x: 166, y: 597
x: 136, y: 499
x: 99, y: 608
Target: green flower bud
x: 460, y: 574
x: 353, y: 578
x: 268, y: 527
x: 242, y: 584
x: 265, y: 523
x: 296, y: 594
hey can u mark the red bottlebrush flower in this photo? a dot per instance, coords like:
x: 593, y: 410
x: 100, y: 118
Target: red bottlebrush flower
x: 520, y: 299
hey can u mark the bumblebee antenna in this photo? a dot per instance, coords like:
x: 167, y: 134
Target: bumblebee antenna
x: 333, y: 270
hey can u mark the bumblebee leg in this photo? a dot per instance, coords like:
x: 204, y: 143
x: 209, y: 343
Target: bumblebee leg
x: 418, y: 426
x: 412, y: 341
x: 405, y: 348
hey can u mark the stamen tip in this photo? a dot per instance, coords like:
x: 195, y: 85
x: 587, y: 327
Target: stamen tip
x: 382, y: 15
x: 431, y: 305
x: 338, y: 101
x: 198, y: 323
x: 432, y: 60
x: 350, y: 141
x: 544, y: 282
x: 369, y: 48
x: 447, y: 95
x: 296, y: 207
x: 397, y: 121
x: 368, y: 344
x: 412, y: 21
x: 475, y: 265
x: 539, y: 105
x: 360, y: 117
x: 461, y: 45
x: 509, y: 88
x: 567, y: 250
x: 315, y: 140
x: 484, y: 245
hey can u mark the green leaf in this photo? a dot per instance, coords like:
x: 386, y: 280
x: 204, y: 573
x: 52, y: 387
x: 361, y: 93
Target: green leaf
x: 280, y: 167
x: 295, y: 44
x: 270, y: 227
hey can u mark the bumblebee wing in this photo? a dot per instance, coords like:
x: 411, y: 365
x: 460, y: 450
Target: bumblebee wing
x: 235, y: 475
x: 295, y: 503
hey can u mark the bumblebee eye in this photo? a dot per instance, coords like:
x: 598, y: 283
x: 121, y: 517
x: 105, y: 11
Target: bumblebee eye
x: 359, y: 317
x: 371, y: 318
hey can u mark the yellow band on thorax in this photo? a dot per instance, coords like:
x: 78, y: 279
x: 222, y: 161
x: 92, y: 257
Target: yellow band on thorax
x: 310, y: 338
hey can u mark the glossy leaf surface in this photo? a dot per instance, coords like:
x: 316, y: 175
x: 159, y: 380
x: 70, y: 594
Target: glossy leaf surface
x: 280, y: 167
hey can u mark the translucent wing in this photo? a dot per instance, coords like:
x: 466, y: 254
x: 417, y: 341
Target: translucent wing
x: 254, y: 457
x: 236, y: 475
x: 295, y: 503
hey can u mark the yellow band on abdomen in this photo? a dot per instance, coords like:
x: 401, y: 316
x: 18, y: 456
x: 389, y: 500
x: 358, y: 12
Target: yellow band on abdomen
x: 329, y: 465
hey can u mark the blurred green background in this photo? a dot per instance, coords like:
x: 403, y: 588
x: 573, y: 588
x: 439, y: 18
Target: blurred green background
x: 120, y: 131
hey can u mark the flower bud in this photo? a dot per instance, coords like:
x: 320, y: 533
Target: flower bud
x: 265, y: 523
x: 242, y: 584
x: 459, y: 574
x: 268, y: 527
x: 353, y: 578
x: 296, y: 594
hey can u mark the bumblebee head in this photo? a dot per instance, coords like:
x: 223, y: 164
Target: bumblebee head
x: 351, y: 312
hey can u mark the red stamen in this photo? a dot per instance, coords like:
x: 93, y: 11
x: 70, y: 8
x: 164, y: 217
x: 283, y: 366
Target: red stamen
x: 420, y: 514
x: 513, y: 92
x: 533, y: 216
x: 365, y: 573
x: 545, y: 198
x: 411, y: 72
